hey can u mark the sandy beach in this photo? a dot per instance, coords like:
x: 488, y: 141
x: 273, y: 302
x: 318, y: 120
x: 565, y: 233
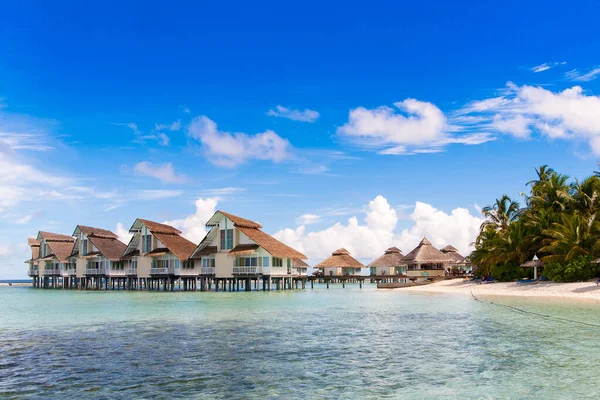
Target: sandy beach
x: 15, y: 284
x: 579, y: 290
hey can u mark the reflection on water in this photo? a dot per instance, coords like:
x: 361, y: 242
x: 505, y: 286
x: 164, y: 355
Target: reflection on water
x: 312, y: 344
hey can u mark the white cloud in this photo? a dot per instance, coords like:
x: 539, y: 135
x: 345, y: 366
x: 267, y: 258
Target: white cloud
x: 308, y: 219
x: 296, y: 115
x: 24, y: 219
x: 546, y: 66
x: 368, y: 241
x: 575, y: 75
x: 524, y: 110
x: 122, y: 233
x: 156, y: 194
x: 4, y: 251
x: 314, y: 169
x: 141, y: 137
x: 231, y: 149
x: 173, y: 126
x: 163, y: 139
x: 164, y: 172
x: 222, y: 191
x: 420, y: 127
x: 192, y: 227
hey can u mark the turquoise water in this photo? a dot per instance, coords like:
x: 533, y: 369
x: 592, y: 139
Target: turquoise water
x: 337, y: 343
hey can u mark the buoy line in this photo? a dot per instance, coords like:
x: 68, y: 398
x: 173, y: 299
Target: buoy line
x: 561, y: 319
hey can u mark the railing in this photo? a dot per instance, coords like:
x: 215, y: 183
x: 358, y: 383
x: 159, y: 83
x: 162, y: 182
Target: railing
x: 130, y: 271
x: 95, y: 271
x: 72, y: 271
x: 116, y: 272
x: 187, y: 271
x: 33, y: 272
x: 52, y: 272
x: 207, y: 271
x: 162, y: 271
x: 246, y: 270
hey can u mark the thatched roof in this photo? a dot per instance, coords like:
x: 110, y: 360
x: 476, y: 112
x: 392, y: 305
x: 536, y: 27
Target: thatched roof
x: 340, y: 258
x: 453, y: 254
x: 178, y: 245
x: 243, y: 249
x: 426, y: 253
x: 55, y: 237
x: 160, y: 251
x: 535, y: 262
x: 237, y: 221
x: 97, y: 232
x: 205, y: 251
x: 110, y: 247
x: 296, y: 263
x: 132, y: 253
x: 391, y: 258
x: 271, y: 245
x: 34, y: 244
x: 59, y: 246
x: 156, y: 227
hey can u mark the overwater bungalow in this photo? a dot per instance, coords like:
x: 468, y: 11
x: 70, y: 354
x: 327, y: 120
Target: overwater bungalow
x: 299, y: 267
x: 34, y: 271
x: 236, y: 247
x: 157, y: 253
x: 426, y: 261
x: 459, y: 262
x: 96, y: 258
x: 390, y: 263
x: 52, y: 261
x: 340, y: 263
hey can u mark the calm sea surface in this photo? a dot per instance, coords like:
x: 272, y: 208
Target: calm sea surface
x: 337, y: 343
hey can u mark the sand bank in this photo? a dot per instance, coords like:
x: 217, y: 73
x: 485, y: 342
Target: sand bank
x: 579, y: 290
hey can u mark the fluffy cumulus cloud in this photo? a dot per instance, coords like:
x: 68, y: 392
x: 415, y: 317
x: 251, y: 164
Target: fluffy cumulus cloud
x: 193, y: 226
x: 122, y: 233
x: 411, y: 127
x: 231, y: 149
x: 295, y: 115
x: 379, y: 231
x: 163, y: 172
x: 523, y: 111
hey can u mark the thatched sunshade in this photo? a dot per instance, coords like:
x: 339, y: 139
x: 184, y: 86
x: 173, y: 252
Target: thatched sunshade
x: 534, y: 263
x: 243, y: 250
x: 425, y: 253
x: 340, y: 258
x: 391, y: 258
x: 297, y: 263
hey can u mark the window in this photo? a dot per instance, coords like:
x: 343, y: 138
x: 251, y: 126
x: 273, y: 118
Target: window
x: 289, y: 266
x: 265, y: 261
x: 176, y: 263
x: 277, y: 262
x: 226, y: 239
x: 204, y: 263
x: 146, y: 243
x: 44, y: 252
x: 84, y: 246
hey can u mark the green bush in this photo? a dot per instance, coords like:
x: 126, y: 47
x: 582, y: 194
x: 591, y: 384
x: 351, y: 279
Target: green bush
x: 577, y: 270
x: 510, y: 272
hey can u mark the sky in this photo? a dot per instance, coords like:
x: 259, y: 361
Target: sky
x: 363, y: 126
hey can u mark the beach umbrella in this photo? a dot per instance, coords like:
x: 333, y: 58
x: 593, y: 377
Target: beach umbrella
x: 534, y: 263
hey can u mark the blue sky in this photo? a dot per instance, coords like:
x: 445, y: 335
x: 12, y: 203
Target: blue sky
x: 111, y: 112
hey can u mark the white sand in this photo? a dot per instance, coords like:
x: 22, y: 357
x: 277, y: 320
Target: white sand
x: 579, y: 290
x: 15, y: 284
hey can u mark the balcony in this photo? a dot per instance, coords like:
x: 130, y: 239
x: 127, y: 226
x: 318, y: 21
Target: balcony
x: 116, y: 272
x: 207, y: 271
x: 187, y: 272
x: 72, y: 271
x: 33, y: 272
x: 48, y: 272
x: 130, y: 271
x: 162, y: 271
x: 95, y: 271
x: 247, y: 270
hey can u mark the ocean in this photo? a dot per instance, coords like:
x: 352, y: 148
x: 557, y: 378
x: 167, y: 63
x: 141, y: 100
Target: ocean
x: 339, y: 343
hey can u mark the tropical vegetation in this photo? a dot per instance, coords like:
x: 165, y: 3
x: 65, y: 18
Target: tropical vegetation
x: 559, y: 222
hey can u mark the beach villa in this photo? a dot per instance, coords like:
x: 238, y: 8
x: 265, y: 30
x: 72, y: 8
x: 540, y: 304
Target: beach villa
x: 299, y: 267
x: 425, y: 261
x: 458, y: 261
x: 236, y: 247
x: 96, y: 257
x: 54, y: 251
x: 157, y: 252
x: 390, y: 263
x: 340, y: 263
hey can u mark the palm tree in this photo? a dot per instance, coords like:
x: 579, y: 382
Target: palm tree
x: 502, y: 213
x: 573, y: 236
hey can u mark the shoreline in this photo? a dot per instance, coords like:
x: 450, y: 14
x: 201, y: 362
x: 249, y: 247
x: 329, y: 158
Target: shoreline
x: 571, y: 291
